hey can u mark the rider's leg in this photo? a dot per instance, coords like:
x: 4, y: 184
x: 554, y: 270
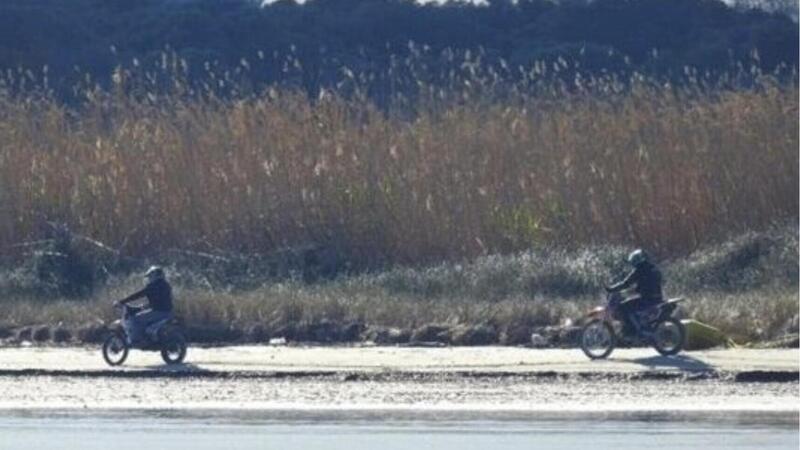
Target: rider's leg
x: 129, y: 325
x: 150, y: 317
x: 140, y: 323
x: 629, y: 307
x: 646, y: 311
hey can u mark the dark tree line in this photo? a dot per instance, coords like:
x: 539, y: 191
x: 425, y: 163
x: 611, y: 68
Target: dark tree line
x: 323, y: 43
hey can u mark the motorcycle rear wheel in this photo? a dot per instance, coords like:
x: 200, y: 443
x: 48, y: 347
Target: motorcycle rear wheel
x: 669, y: 336
x: 598, y: 339
x: 173, y: 348
x: 115, y: 349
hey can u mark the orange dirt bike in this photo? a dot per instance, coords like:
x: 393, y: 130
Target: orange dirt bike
x: 654, y: 326
x: 164, y: 336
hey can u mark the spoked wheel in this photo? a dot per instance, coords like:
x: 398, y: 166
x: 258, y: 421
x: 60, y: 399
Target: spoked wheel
x: 173, y: 347
x: 669, y: 336
x: 115, y: 349
x: 597, y: 339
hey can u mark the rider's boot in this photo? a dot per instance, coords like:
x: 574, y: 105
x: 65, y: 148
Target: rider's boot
x: 628, y: 327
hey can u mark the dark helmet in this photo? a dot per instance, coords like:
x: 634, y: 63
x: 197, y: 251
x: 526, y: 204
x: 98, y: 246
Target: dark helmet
x: 638, y: 257
x: 154, y: 273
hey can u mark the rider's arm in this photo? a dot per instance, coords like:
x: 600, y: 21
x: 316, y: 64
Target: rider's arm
x: 134, y: 296
x: 626, y: 283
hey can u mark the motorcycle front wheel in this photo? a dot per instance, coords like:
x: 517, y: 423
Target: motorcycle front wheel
x: 598, y: 339
x: 669, y: 335
x: 115, y: 349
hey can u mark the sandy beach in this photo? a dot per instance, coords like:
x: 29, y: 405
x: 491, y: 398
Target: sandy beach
x: 403, y: 378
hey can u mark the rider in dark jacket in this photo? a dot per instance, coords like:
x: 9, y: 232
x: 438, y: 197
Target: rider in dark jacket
x: 647, y: 279
x: 159, y: 297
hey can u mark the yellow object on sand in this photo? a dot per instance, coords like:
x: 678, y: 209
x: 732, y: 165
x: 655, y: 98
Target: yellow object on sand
x: 700, y: 336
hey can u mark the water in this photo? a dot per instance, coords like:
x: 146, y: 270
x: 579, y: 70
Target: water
x: 309, y: 430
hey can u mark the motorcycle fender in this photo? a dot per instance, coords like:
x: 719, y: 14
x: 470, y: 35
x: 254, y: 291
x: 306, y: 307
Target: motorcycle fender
x: 667, y: 311
x: 596, y: 313
x: 115, y: 325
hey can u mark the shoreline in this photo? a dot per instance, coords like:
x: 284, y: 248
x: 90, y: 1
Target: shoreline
x: 744, y: 376
x: 269, y: 411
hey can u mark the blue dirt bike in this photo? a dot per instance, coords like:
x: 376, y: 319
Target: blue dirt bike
x: 164, y: 336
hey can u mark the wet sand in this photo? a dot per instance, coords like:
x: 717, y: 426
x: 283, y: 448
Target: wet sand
x: 405, y: 379
x: 484, y: 393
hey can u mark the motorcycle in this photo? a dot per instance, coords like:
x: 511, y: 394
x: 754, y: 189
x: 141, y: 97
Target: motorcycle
x: 164, y: 336
x: 654, y: 326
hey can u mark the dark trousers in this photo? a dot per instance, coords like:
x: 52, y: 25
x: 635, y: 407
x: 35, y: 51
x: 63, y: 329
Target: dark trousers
x: 630, y: 307
x: 137, y: 324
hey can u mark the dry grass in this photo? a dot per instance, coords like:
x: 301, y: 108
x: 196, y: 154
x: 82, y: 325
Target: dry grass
x: 662, y: 167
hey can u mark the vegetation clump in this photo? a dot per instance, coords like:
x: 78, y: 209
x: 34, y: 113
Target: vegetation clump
x: 467, y: 306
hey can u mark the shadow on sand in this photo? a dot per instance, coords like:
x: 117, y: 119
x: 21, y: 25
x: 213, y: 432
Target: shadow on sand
x: 182, y: 368
x: 681, y: 362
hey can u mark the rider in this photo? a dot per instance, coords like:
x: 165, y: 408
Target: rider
x: 159, y: 297
x: 647, y: 278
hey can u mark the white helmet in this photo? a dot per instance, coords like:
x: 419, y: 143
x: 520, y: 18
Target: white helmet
x: 637, y: 257
x: 154, y: 273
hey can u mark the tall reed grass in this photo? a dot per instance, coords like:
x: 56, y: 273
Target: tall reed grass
x: 655, y: 165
